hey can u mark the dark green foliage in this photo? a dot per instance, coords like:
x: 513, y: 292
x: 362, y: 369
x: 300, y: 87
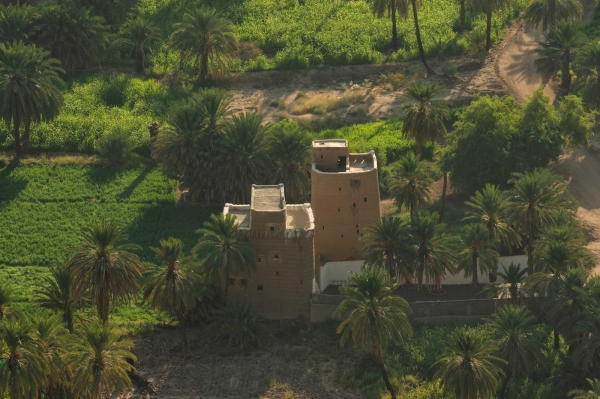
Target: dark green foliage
x: 115, y: 147
x: 238, y: 325
x: 17, y: 23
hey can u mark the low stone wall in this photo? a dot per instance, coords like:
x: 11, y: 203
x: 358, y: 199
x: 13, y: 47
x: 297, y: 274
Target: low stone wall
x: 424, y: 313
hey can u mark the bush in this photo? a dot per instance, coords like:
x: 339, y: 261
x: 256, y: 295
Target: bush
x: 477, y: 39
x: 238, y: 325
x: 112, y: 91
x: 293, y: 58
x: 115, y: 147
x: 449, y: 69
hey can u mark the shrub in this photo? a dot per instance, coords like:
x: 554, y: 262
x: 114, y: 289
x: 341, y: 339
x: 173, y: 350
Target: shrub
x: 477, y: 39
x: 391, y: 81
x: 115, y: 147
x: 448, y: 69
x: 292, y: 58
x: 112, y: 90
x: 238, y: 325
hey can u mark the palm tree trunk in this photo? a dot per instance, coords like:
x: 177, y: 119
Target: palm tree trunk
x: 462, y: 15
x: 504, y: 384
x: 103, y: 304
x: 381, y: 364
x: 204, y: 68
x: 420, y: 274
x: 530, y: 244
x: 394, y: 28
x: 139, y: 61
x: 552, y: 13
x: 475, y: 279
x: 443, y: 200
x: 419, y: 143
x: 26, y: 134
x: 419, y: 42
x: 488, y: 29
x: 17, y: 136
x: 566, y: 74
x: 556, y: 340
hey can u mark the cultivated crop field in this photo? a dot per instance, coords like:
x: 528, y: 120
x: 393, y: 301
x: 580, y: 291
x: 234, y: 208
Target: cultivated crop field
x: 44, y: 204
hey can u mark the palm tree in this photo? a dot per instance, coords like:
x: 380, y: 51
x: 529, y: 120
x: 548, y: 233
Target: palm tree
x: 373, y: 316
x: 415, y: 7
x: 431, y: 249
x: 244, y: 155
x: 490, y: 207
x: 51, y: 337
x: 478, y: 252
x: 29, y: 89
x: 385, y: 244
x: 519, y: 342
x: 204, y: 37
x: 290, y: 151
x: 100, y: 362
x: 139, y: 34
x: 56, y: 293
x: 17, y: 22
x: 590, y: 61
x: 559, y: 50
x: 224, y: 250
x: 587, y: 352
x: 550, y: 12
x: 534, y: 197
x: 7, y: 296
x: 102, y: 268
x: 593, y: 393
x: 512, y: 279
x: 488, y: 7
x: 390, y: 7
x: 23, y: 365
x: 468, y: 368
x: 410, y: 185
x: 424, y: 117
x: 167, y: 285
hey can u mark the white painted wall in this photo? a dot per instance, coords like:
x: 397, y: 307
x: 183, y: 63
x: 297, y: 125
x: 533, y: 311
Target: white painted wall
x: 341, y: 271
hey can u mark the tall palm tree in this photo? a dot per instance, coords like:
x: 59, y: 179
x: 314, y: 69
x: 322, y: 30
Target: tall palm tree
x: 478, y: 253
x: 410, y: 185
x: 415, y: 8
x: 102, y: 268
x: 224, y: 250
x: 51, y: 337
x: 205, y: 38
x: 560, y: 48
x: 593, y: 393
x: 431, y: 249
x: 29, y: 89
x: 373, y: 316
x: 100, y: 362
x: 57, y: 294
x: 390, y: 7
x: 244, y: 155
x: 424, y: 117
x: 17, y: 22
x: 534, y: 198
x: 168, y: 286
x: 550, y: 12
x: 139, y: 34
x: 587, y: 352
x: 519, y: 342
x: 490, y: 207
x: 23, y: 366
x: 488, y: 7
x: 513, y: 278
x: 590, y: 61
x: 385, y: 244
x: 468, y: 369
x: 290, y: 151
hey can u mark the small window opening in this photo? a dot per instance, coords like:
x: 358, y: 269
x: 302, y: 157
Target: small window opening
x: 272, y: 228
x: 354, y: 204
x: 276, y: 274
x: 357, y: 226
x: 244, y: 282
x: 340, y: 189
x: 259, y: 260
x: 232, y: 281
x: 321, y: 156
x: 338, y: 209
x: 357, y: 231
x: 361, y: 234
x: 300, y: 281
x: 275, y: 257
x: 342, y: 236
x: 323, y: 227
x: 259, y: 288
x: 365, y: 199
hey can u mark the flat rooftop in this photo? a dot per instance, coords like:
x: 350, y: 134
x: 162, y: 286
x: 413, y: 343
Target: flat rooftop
x: 297, y: 217
x: 242, y: 217
x: 268, y: 198
x: 332, y: 143
x: 361, y: 162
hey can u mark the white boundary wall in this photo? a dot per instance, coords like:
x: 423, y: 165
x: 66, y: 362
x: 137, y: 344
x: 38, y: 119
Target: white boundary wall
x: 340, y: 271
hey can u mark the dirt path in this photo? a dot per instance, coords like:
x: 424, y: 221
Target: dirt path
x: 516, y: 68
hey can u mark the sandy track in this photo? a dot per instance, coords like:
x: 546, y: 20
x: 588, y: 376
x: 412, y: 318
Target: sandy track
x: 516, y: 68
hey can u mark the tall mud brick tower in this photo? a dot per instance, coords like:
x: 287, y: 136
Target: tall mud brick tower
x: 345, y: 201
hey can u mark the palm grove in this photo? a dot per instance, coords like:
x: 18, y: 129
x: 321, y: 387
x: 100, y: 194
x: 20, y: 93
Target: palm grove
x: 215, y: 154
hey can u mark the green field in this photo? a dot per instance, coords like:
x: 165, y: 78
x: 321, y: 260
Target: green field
x: 45, y: 204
